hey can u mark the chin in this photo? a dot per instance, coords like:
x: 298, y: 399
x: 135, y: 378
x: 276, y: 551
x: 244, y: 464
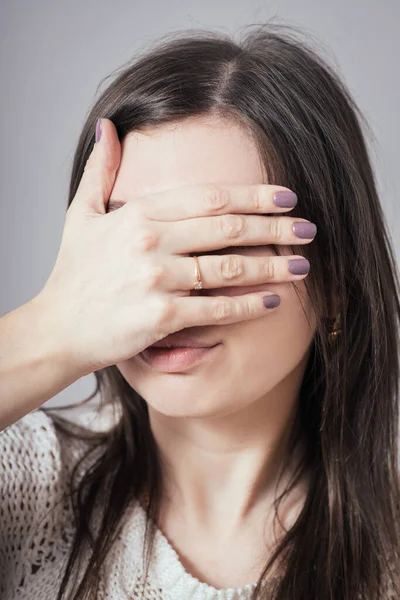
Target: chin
x: 182, y: 394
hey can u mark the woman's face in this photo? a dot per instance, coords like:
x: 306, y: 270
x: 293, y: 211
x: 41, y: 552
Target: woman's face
x: 257, y: 358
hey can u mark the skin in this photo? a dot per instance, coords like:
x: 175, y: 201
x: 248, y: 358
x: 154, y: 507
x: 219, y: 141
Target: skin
x: 222, y: 425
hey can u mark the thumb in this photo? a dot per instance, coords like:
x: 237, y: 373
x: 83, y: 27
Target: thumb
x: 101, y: 167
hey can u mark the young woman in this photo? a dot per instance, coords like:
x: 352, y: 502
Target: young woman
x: 251, y: 364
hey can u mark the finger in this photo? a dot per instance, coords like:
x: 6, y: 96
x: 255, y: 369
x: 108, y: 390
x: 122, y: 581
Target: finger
x: 232, y: 270
x: 212, y: 310
x: 212, y: 233
x: 99, y: 174
x: 187, y: 202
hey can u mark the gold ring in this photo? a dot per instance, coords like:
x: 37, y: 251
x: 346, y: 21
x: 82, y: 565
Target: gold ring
x: 198, y: 284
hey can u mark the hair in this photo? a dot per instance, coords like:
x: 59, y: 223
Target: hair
x: 311, y: 137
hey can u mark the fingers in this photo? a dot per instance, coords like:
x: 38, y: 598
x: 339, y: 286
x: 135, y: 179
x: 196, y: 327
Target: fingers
x: 99, y: 174
x: 212, y: 233
x: 233, y: 270
x: 187, y: 202
x: 191, y: 311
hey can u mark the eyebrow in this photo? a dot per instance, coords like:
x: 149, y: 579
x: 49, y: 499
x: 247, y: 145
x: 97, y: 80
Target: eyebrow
x: 114, y: 204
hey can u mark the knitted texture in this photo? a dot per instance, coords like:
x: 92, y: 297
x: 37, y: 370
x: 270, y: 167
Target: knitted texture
x: 36, y: 527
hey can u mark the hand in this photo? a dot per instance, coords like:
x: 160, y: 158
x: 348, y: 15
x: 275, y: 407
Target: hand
x: 122, y: 279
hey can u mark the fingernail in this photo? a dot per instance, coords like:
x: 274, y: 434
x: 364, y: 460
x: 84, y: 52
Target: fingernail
x: 271, y: 301
x: 304, y: 230
x: 285, y: 199
x: 98, y: 130
x: 299, y: 266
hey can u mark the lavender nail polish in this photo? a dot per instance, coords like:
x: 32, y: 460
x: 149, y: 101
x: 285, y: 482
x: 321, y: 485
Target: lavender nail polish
x: 98, y: 130
x: 299, y: 266
x: 304, y: 230
x: 285, y: 199
x: 271, y: 301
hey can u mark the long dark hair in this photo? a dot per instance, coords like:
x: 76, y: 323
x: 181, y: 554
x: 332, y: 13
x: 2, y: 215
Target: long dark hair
x: 310, y: 135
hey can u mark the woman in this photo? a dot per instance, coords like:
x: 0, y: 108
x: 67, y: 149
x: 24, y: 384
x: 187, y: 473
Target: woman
x: 253, y: 446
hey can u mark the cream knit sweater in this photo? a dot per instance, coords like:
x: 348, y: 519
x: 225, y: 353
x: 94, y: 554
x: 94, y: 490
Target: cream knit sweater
x: 36, y: 531
x: 36, y: 525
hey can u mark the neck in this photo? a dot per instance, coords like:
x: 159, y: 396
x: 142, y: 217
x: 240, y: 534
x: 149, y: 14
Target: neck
x: 222, y: 472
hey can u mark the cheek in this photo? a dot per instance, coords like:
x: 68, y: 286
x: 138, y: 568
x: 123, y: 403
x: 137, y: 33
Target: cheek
x: 267, y: 349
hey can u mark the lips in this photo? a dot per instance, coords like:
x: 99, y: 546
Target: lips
x: 184, y: 341
x: 177, y: 359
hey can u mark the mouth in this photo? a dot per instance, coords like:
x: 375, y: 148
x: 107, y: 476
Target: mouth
x: 175, y: 357
x: 183, y: 341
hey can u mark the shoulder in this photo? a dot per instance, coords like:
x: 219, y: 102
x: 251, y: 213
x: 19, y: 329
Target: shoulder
x: 28, y: 446
x: 33, y: 451
x: 30, y: 467
x: 36, y: 517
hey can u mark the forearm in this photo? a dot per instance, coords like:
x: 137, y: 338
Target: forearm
x: 34, y: 365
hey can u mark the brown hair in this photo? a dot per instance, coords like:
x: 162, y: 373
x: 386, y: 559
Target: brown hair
x: 309, y: 132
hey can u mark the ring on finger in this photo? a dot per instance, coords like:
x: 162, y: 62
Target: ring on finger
x: 198, y: 284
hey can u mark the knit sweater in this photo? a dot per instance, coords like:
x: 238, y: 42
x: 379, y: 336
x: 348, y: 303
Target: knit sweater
x: 36, y: 525
x: 36, y: 530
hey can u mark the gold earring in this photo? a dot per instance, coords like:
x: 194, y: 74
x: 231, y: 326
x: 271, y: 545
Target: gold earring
x: 335, y: 329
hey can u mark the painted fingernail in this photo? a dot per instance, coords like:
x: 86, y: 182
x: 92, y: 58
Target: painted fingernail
x: 98, y: 130
x: 304, y: 230
x: 285, y: 199
x: 271, y: 301
x: 299, y: 266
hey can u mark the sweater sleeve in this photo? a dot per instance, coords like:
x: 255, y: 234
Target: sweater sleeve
x: 32, y: 510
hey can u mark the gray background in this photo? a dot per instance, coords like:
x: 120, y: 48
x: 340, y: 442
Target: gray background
x: 53, y: 55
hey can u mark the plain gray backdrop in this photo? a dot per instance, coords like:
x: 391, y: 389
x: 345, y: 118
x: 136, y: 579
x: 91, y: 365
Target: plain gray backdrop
x: 53, y: 55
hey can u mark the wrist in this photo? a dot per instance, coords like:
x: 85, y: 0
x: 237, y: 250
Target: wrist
x: 56, y: 344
